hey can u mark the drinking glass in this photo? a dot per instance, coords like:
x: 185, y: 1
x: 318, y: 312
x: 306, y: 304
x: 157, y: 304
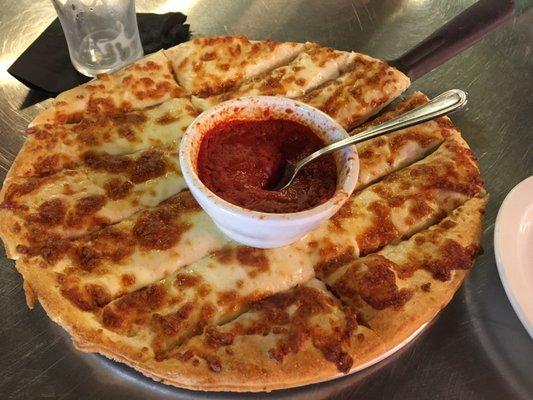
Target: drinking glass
x: 102, y: 35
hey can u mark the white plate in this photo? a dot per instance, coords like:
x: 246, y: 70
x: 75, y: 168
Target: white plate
x: 513, y: 247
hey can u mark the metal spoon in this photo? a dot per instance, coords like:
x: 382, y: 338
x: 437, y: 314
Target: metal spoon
x: 443, y: 104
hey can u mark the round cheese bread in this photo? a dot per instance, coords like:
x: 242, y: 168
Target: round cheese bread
x: 111, y: 243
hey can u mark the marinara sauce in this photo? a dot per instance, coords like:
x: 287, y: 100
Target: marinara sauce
x: 240, y: 159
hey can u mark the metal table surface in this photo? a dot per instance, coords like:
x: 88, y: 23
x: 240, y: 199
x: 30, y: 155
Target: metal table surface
x: 475, y: 348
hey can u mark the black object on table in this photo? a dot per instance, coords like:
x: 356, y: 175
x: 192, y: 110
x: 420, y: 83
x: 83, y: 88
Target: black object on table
x: 45, y: 64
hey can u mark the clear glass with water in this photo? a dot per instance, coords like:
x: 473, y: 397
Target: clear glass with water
x: 102, y: 35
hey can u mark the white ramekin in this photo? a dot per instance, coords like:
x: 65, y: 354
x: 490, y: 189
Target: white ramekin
x: 254, y: 228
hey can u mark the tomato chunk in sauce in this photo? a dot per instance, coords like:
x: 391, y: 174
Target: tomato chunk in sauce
x: 239, y: 160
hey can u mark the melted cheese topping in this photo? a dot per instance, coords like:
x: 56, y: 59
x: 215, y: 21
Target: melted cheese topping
x: 411, y: 199
x: 224, y: 284
x: 307, y: 316
x: 360, y: 93
x: 145, y: 83
x: 310, y: 69
x: 105, y: 190
x: 51, y: 148
x: 153, y: 244
x: 208, y: 66
x: 388, y: 278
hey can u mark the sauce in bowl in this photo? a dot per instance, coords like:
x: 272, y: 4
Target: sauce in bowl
x: 239, y: 160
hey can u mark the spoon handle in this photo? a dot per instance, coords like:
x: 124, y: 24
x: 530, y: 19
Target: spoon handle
x: 443, y: 104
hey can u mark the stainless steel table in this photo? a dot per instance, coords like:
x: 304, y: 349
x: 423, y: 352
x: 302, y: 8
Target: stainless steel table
x: 476, y: 348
